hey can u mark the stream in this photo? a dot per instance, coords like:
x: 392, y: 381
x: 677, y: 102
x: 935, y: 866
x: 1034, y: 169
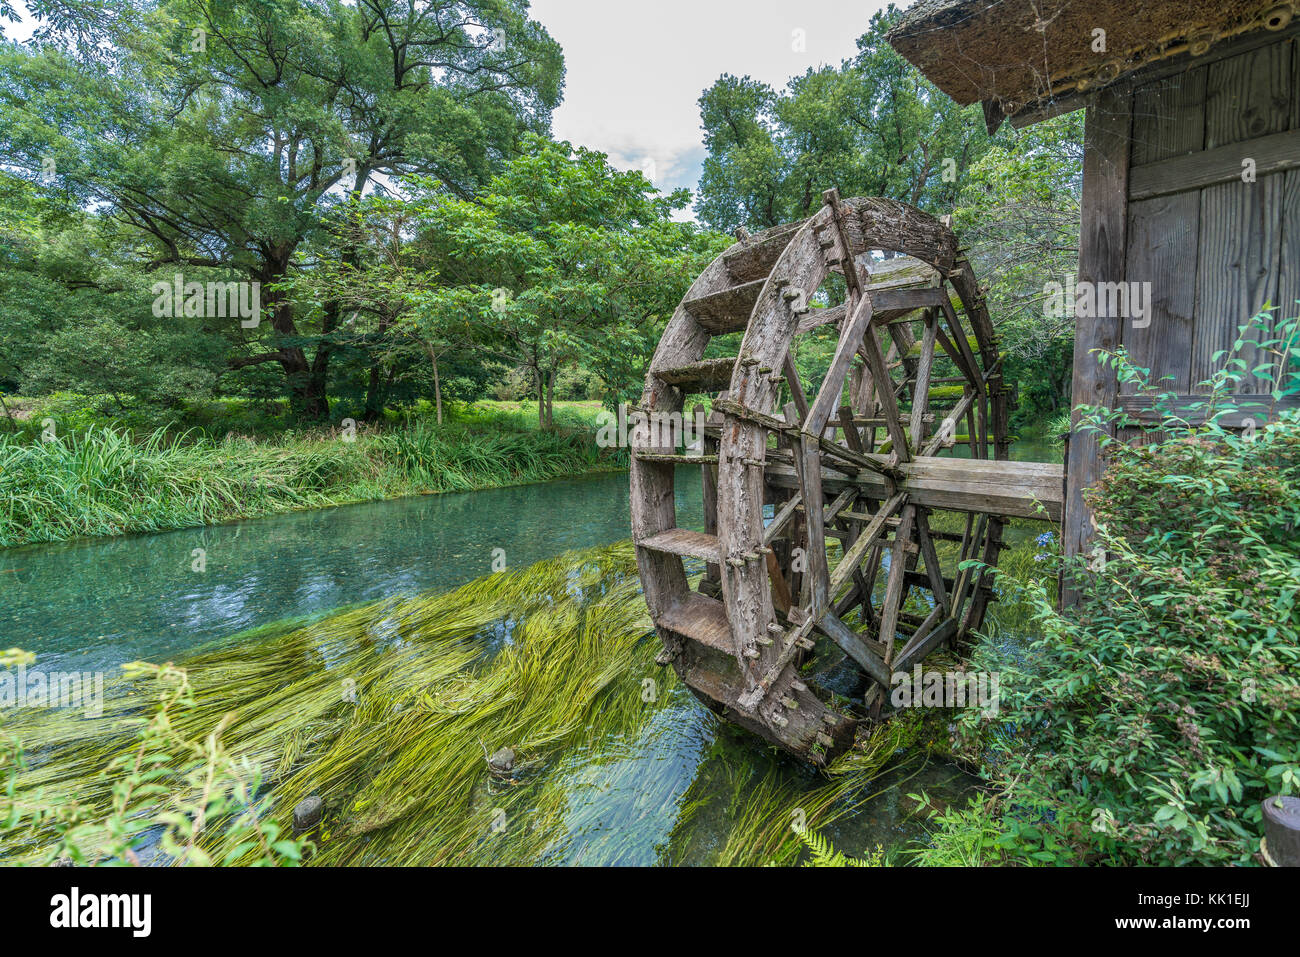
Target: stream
x: 94, y: 605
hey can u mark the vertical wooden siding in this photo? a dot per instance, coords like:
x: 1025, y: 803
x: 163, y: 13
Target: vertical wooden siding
x: 1214, y: 255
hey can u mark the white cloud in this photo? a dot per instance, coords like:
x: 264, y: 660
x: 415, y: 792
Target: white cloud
x: 636, y: 70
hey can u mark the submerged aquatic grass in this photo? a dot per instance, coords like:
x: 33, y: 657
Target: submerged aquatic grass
x: 388, y: 712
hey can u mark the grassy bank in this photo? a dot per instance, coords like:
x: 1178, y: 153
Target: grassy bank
x: 105, y: 481
x: 388, y: 712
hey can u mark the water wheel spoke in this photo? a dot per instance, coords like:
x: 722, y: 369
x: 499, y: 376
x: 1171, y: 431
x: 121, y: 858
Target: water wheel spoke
x: 895, y: 585
x: 931, y: 558
x: 921, y: 391
x: 888, y: 401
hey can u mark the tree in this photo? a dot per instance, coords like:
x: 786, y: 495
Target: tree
x: 563, y: 259
x: 77, y: 311
x: 874, y: 126
x: 229, y: 135
x: 1019, y: 213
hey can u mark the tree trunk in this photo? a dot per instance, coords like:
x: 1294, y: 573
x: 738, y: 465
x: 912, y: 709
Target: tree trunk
x: 305, y: 380
x: 550, y: 399
x: 541, y: 398
x: 374, y: 403
x: 437, y: 384
x: 9, y: 415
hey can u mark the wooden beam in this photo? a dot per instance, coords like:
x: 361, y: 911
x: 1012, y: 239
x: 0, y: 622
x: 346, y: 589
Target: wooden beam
x: 782, y: 519
x: 931, y: 559
x: 1180, y: 174
x: 921, y: 394
x: 828, y: 398
x: 853, y: 646
x: 1101, y: 259
x: 1261, y: 408
x: 894, y: 585
x: 993, y: 486
x: 921, y: 645
x: 853, y: 557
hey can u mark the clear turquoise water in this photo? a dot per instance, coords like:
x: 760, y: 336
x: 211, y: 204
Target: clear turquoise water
x: 99, y: 603
x: 92, y: 605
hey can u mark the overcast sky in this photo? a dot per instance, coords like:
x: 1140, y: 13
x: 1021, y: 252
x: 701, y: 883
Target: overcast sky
x: 635, y: 68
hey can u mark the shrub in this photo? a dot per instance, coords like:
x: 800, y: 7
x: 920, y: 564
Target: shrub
x: 1159, y: 714
x: 169, y: 789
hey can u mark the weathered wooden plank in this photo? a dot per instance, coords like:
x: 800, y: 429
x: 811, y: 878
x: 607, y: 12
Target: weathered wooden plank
x: 1260, y: 408
x: 686, y: 543
x: 1288, y: 279
x: 754, y: 258
x: 1268, y: 154
x: 933, y: 570
x: 1101, y: 259
x: 946, y: 433
x: 1163, y: 238
x: 885, y: 396
x: 1237, y: 268
x: 922, y: 644
x: 699, y: 618
x: 857, y: 649
x: 725, y: 310
x: 894, y: 584
x: 921, y: 392
x: 1169, y: 117
x: 795, y: 385
x: 1295, y: 83
x: 828, y: 397
x: 707, y: 375
x: 781, y: 519
x: 671, y: 458
x: 810, y: 490
x: 854, y: 555
x: 1013, y: 489
x: 782, y: 597
x: 1248, y: 96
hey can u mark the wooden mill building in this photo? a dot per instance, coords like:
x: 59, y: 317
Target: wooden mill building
x: 1191, y: 175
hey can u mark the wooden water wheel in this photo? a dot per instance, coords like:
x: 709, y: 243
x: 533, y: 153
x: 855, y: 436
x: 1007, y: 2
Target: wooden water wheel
x: 842, y: 515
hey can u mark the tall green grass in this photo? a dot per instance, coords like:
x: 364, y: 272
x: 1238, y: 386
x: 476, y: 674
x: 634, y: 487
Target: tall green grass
x: 103, y: 482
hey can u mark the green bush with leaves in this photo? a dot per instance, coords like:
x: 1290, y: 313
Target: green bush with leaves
x: 169, y: 792
x: 1155, y: 718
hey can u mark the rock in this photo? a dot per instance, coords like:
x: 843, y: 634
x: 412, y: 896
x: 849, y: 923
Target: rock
x: 503, y: 762
x: 308, y: 813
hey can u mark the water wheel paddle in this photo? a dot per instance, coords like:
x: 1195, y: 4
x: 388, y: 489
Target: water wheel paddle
x: 823, y: 515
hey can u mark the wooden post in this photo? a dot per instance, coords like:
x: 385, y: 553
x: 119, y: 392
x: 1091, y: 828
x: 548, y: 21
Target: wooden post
x: 1101, y: 259
x: 1282, y: 830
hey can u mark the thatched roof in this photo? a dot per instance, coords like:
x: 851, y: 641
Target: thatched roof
x: 1014, y: 54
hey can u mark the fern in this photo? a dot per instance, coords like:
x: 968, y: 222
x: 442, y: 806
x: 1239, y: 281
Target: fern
x: 824, y: 855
